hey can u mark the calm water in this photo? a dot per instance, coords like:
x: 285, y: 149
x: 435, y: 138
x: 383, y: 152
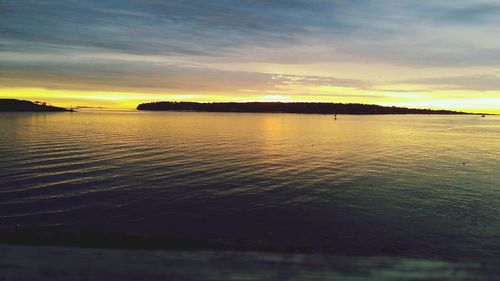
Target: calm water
x: 410, y: 185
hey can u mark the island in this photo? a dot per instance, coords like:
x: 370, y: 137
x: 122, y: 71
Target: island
x: 13, y: 105
x: 289, y: 107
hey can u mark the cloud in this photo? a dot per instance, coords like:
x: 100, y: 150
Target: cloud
x: 145, y: 76
x: 475, y: 83
x: 43, y: 42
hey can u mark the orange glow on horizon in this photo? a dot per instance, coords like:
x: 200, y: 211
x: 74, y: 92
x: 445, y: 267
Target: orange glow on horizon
x: 452, y: 100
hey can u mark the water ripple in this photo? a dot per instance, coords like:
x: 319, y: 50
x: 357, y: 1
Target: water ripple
x: 398, y: 182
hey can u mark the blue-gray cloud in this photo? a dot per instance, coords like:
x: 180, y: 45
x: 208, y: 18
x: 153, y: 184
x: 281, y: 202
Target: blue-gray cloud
x: 444, y: 34
x: 199, y: 27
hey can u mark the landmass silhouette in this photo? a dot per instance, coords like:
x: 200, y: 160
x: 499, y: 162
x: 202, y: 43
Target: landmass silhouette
x: 28, y: 106
x: 289, y: 107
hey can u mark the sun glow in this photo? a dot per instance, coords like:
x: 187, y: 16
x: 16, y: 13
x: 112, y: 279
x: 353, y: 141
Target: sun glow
x: 454, y: 100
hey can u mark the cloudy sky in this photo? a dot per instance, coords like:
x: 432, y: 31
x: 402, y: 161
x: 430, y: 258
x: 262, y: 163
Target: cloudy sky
x: 418, y: 53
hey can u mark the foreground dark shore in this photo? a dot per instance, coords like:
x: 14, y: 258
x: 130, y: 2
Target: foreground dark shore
x: 289, y: 107
x: 340, y: 246
x: 13, y: 105
x: 58, y: 263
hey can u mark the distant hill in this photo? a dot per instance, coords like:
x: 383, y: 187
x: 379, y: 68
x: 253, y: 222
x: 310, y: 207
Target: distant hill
x: 24, y: 105
x: 288, y: 107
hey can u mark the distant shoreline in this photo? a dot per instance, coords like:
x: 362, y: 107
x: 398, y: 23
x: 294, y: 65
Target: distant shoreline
x: 292, y: 107
x: 14, y: 105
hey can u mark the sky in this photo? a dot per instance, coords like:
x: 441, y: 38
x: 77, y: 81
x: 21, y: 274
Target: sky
x: 420, y: 53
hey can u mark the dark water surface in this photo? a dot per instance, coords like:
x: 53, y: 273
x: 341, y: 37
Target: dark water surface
x: 364, y: 185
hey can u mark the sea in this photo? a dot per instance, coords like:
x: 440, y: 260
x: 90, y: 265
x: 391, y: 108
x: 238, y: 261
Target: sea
x: 363, y: 185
